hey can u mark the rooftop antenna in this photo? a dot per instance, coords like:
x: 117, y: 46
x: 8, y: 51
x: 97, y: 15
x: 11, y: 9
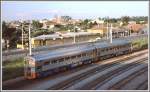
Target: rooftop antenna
x: 110, y: 33
x: 30, y: 53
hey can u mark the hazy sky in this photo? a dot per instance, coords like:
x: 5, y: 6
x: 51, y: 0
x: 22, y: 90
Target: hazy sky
x: 15, y: 10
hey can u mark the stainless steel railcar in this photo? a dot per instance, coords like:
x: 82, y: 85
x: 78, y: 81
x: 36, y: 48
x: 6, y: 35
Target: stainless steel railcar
x: 41, y: 65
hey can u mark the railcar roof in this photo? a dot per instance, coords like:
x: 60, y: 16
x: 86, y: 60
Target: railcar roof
x: 75, y: 50
x: 114, y: 43
x: 62, y: 52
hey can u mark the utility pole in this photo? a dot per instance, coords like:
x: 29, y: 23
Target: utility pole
x: 22, y: 37
x: 107, y: 28
x: 30, y: 53
x: 111, y: 34
x: 74, y: 35
x: 107, y: 31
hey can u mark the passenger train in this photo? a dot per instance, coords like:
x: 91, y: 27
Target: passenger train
x: 41, y: 65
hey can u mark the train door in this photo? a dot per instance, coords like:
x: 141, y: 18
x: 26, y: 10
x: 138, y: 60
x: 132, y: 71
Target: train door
x: 95, y: 56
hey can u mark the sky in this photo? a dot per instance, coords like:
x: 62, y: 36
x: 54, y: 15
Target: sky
x: 27, y: 10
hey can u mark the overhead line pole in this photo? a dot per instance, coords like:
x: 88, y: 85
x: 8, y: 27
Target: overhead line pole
x: 111, y: 33
x: 107, y: 28
x: 22, y: 36
x: 30, y: 53
x: 107, y: 31
x: 74, y: 36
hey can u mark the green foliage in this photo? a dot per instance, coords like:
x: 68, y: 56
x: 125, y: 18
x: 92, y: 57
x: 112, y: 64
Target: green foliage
x: 36, y: 24
x: 125, y: 19
x: 11, y: 34
x: 13, y: 68
x: 66, y: 18
x: 138, y: 19
x: 139, y: 43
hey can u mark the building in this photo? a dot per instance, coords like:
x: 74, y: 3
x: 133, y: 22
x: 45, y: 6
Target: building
x: 135, y: 27
x: 101, y: 29
x: 132, y: 22
x: 59, y: 39
x: 120, y: 32
x: 98, y: 21
x: 48, y: 24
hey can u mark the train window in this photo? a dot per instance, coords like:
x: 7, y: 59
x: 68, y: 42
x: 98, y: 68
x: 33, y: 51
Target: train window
x: 39, y: 67
x: 105, y: 49
x: 67, y: 58
x: 53, y: 61
x: 73, y: 57
x: 78, y: 56
x: 61, y: 60
x: 83, y: 54
x: 46, y: 63
x: 87, y: 54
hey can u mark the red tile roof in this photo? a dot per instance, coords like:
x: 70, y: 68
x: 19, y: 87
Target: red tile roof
x: 135, y: 27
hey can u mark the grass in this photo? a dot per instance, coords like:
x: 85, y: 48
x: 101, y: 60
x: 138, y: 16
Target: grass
x: 140, y: 42
x: 12, y: 69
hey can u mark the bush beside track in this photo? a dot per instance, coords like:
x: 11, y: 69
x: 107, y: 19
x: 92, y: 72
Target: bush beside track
x: 140, y: 44
x: 12, y: 69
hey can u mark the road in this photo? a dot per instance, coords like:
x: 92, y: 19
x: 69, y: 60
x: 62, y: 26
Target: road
x: 117, y: 73
x: 10, y: 55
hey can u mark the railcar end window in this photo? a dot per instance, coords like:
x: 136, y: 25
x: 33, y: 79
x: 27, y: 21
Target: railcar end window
x: 39, y: 67
x: 53, y: 61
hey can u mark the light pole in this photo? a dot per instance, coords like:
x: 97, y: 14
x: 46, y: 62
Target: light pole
x: 74, y: 35
x: 107, y: 31
x: 107, y: 28
x: 111, y: 34
x: 22, y: 37
x: 30, y: 53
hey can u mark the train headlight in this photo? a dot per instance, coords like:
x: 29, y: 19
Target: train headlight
x: 31, y: 63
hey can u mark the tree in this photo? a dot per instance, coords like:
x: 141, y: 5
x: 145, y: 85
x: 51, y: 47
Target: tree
x: 85, y: 24
x: 125, y: 19
x: 10, y: 35
x: 66, y: 18
x: 5, y: 32
x: 36, y: 24
x: 139, y: 18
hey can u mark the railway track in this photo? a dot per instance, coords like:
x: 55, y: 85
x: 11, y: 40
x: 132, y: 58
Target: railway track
x: 143, y: 85
x: 123, y: 76
x: 78, y: 78
x: 129, y: 78
x: 36, y: 83
x: 105, y: 78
